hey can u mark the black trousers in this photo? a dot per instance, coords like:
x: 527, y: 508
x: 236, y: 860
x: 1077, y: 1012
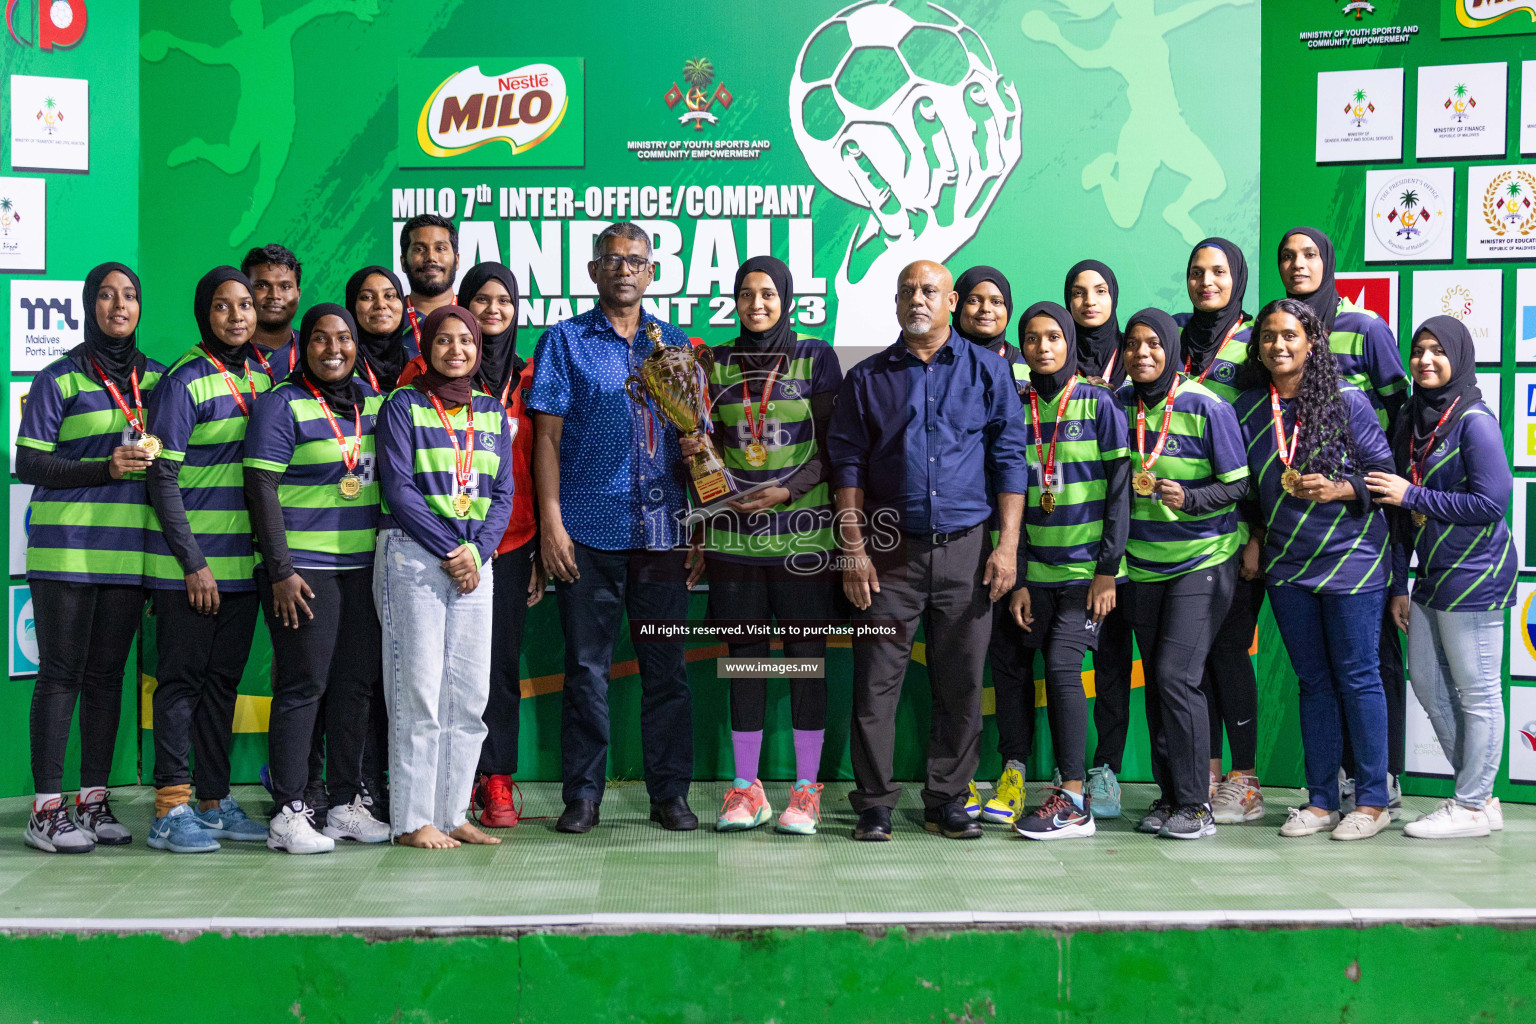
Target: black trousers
x: 940, y: 587
x: 746, y: 592
x: 1063, y: 629
x: 201, y: 660
x: 1230, y: 686
x: 648, y: 585
x: 84, y: 633
x: 1175, y: 621
x: 509, y: 613
x: 330, y: 662
x: 1013, y: 686
x: 1112, y: 684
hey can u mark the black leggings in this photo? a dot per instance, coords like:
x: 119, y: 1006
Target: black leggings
x: 1013, y: 686
x: 742, y: 592
x: 509, y: 612
x: 1230, y: 687
x: 335, y: 656
x: 1112, y: 685
x: 1060, y: 615
x: 1175, y: 621
x: 84, y: 633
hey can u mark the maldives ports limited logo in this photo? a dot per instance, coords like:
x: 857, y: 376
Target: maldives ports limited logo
x: 59, y: 22
x: 453, y: 112
x: 699, y: 74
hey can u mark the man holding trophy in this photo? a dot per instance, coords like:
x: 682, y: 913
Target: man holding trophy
x: 611, y: 488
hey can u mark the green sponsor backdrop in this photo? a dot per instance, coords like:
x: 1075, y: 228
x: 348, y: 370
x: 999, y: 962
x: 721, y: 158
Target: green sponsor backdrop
x: 1022, y: 134
x: 1332, y: 196
x: 91, y: 217
x: 1045, y: 132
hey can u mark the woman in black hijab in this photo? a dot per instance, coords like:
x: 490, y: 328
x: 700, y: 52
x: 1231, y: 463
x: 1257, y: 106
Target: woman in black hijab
x: 984, y: 313
x: 1216, y: 277
x: 771, y: 393
x: 1189, y: 471
x: 490, y: 292
x: 1093, y: 296
x: 1307, y: 271
x: 314, y: 435
x: 77, y: 446
x: 1452, y: 488
x: 373, y: 299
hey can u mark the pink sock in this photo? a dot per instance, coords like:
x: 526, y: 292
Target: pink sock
x: 748, y: 748
x: 808, y: 754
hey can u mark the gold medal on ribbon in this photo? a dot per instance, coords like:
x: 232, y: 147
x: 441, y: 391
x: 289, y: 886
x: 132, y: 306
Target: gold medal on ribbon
x: 461, y: 504
x: 150, y: 445
x: 1420, y: 519
x: 756, y: 454
x: 1144, y: 483
x: 350, y: 486
x: 1047, y: 502
x: 1290, y: 480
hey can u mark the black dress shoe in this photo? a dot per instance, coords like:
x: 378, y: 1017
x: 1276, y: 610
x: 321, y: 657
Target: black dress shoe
x: 674, y: 815
x: 951, y: 821
x: 873, y: 826
x: 579, y: 817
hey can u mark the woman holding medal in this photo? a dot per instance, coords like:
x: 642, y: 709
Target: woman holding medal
x: 490, y: 292
x: 1214, y: 340
x: 1189, y: 471
x: 445, y: 458
x: 771, y: 393
x: 383, y: 349
x: 198, y: 562
x: 314, y: 502
x: 1450, y: 448
x: 1072, y: 550
x: 1310, y: 438
x: 82, y: 444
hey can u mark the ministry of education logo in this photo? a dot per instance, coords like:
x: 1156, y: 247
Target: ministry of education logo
x: 699, y: 74
x: 1408, y: 216
x: 1509, y: 204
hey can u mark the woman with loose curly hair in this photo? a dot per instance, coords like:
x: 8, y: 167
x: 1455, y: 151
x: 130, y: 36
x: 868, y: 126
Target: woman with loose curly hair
x: 1311, y: 438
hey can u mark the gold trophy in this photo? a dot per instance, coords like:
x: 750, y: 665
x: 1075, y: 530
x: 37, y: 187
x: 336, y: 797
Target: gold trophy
x: 673, y: 379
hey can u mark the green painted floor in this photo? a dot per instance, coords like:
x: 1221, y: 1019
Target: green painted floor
x: 630, y: 867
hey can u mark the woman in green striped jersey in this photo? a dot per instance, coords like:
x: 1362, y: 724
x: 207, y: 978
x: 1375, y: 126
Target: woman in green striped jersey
x: 81, y: 445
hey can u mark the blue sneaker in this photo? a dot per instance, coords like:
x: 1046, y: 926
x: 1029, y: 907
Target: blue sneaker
x: 181, y: 832
x: 1103, y: 792
x: 228, y: 821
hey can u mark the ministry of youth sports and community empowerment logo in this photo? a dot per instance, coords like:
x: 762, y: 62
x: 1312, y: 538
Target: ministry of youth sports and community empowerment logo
x: 1408, y: 215
x: 864, y: 81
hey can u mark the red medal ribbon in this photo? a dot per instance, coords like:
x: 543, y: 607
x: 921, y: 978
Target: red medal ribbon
x: 1287, y: 455
x: 348, y: 457
x: 1141, y: 427
x: 755, y: 425
x: 1048, y: 461
x: 1109, y: 367
x: 293, y: 360
x: 137, y: 423
x: 410, y: 312
x: 230, y: 383
x: 1188, y: 362
x: 463, y: 461
x: 372, y: 380
x: 1415, y: 460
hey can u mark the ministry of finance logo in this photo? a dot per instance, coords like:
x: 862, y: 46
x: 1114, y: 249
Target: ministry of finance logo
x: 698, y: 73
x: 1460, y: 103
x: 1509, y: 204
x: 899, y: 116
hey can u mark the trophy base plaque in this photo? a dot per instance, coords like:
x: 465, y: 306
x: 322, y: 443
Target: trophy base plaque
x: 707, y: 510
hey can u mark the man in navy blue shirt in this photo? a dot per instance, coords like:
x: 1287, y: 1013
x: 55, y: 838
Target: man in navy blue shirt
x: 927, y: 436
x: 610, y: 490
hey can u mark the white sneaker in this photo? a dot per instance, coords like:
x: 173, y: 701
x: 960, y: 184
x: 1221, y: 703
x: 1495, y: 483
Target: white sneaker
x: 292, y: 829
x: 1449, y: 821
x: 1394, y: 796
x: 1238, y: 799
x: 1301, y: 822
x: 1359, y: 825
x: 1346, y: 793
x: 354, y: 821
x: 1495, y: 812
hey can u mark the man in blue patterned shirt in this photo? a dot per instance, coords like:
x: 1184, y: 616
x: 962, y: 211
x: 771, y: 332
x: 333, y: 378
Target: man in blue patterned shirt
x: 610, y: 490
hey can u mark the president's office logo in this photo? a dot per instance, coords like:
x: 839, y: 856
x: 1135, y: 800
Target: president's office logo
x: 698, y: 75
x: 529, y: 115
x: 1408, y: 215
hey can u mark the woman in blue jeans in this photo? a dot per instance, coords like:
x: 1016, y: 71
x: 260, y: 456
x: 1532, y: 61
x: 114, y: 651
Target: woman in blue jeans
x: 1311, y: 438
x: 445, y: 458
x: 1453, y: 487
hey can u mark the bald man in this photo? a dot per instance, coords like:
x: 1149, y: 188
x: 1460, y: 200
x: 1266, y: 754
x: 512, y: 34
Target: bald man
x: 926, y: 442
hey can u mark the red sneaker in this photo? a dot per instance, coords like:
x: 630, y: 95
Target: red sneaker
x: 500, y: 801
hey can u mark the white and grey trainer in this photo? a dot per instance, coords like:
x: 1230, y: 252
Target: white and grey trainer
x: 292, y: 830
x: 96, y: 820
x: 53, y: 831
x: 356, y: 822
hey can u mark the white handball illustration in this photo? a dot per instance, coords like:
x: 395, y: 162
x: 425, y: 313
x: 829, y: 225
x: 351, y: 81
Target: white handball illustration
x: 912, y: 121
